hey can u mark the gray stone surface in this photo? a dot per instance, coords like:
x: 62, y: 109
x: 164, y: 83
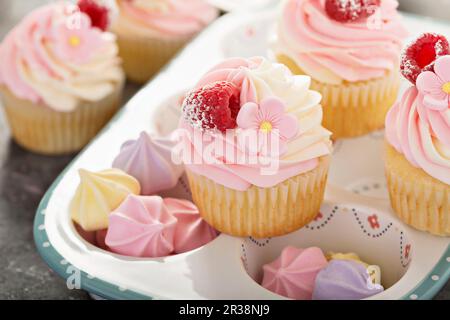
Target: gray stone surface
x: 24, y: 178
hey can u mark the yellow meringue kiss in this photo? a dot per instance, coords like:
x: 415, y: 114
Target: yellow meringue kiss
x: 373, y: 270
x: 98, y: 194
x: 375, y: 274
x: 345, y: 256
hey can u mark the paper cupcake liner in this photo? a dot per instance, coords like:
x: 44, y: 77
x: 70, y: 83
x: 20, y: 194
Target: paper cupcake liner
x: 143, y: 57
x: 40, y: 129
x: 261, y: 212
x: 418, y: 199
x: 354, y: 109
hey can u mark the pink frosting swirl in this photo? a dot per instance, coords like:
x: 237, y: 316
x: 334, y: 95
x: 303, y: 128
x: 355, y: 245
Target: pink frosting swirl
x: 166, y: 17
x: 259, y: 79
x: 55, y: 56
x: 421, y: 134
x: 333, y: 52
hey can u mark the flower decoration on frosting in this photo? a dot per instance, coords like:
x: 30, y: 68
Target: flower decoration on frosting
x: 77, y: 43
x: 435, y: 86
x: 270, y: 120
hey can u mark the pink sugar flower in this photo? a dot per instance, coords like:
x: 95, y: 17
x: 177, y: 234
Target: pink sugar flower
x: 270, y: 120
x: 435, y: 86
x: 77, y: 43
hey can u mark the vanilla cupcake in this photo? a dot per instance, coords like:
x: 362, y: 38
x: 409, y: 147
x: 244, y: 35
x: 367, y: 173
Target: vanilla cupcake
x: 255, y: 152
x: 60, y: 77
x: 151, y: 32
x: 417, y: 158
x: 351, y: 50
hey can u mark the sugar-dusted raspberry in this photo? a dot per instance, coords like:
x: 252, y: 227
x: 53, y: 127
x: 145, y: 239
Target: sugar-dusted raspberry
x: 99, y: 14
x: 421, y: 55
x: 350, y: 10
x: 214, y: 106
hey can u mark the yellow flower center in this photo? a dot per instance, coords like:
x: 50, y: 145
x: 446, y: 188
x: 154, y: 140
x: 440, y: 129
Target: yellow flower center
x: 446, y: 88
x: 265, y: 126
x: 74, y: 41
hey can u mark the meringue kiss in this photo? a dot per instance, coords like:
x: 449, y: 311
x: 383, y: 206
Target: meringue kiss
x: 149, y: 160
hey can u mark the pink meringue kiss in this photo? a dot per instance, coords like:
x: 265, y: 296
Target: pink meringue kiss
x: 141, y: 227
x: 294, y: 273
x: 192, y: 231
x: 149, y: 160
x: 153, y: 227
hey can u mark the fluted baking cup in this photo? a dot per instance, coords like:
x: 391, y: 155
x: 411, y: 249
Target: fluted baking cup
x: 43, y: 130
x: 419, y: 200
x: 143, y: 57
x: 261, y: 212
x: 353, y: 108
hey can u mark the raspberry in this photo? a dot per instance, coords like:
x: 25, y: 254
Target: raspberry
x: 350, y: 10
x: 421, y: 55
x: 214, y: 106
x: 99, y: 14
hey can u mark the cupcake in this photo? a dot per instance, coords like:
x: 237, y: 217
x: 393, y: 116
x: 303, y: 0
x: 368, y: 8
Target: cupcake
x: 254, y: 149
x: 351, y: 50
x: 150, y: 33
x: 60, y: 77
x: 417, y: 159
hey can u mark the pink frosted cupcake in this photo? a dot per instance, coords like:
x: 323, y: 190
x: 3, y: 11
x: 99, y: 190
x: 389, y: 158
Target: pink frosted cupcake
x: 150, y: 33
x: 256, y: 154
x: 60, y: 77
x: 351, y: 50
x: 417, y: 157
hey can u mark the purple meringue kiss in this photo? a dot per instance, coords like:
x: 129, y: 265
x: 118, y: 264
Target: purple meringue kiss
x: 344, y: 280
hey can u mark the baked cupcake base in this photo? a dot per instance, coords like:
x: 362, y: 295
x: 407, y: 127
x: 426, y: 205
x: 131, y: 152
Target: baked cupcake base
x: 261, y: 212
x: 143, y: 57
x: 353, y: 109
x: 40, y: 129
x: 418, y: 199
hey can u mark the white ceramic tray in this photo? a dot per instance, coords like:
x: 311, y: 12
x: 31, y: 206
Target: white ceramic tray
x: 355, y: 217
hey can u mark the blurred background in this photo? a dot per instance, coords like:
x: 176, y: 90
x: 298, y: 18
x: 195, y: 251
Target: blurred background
x: 24, y: 178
